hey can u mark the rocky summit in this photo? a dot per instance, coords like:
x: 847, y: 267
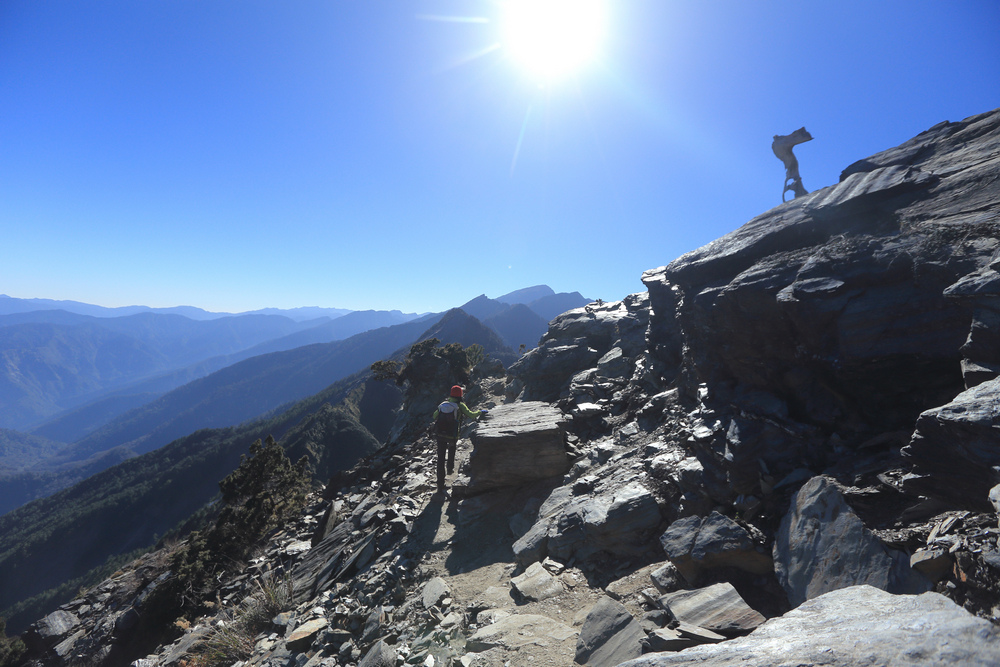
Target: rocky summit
x: 786, y: 451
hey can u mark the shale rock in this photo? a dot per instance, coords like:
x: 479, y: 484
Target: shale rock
x: 55, y: 626
x: 302, y: 637
x: 609, y: 636
x: 519, y: 443
x: 536, y: 584
x: 822, y: 546
x: 614, y: 516
x: 835, y: 302
x: 859, y: 625
x: 718, y: 608
x: 956, y: 448
x: 694, y: 544
x: 379, y: 655
x: 434, y: 591
x: 580, y: 339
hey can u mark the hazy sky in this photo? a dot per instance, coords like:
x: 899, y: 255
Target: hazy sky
x: 235, y: 155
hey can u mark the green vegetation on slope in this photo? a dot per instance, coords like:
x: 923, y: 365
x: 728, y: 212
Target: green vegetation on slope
x: 71, y: 535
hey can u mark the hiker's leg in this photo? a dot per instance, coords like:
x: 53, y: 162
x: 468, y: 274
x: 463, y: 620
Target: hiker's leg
x: 442, y: 444
x: 452, y: 445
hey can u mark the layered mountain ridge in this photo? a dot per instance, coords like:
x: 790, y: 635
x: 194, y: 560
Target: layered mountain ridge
x: 142, y: 416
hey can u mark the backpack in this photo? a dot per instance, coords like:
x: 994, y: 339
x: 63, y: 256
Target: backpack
x: 447, y: 421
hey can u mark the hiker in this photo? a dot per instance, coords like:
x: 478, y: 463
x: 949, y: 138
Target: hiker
x: 447, y: 422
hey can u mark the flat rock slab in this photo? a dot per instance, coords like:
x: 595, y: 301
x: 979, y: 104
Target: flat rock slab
x: 517, y: 444
x: 519, y: 630
x: 301, y: 638
x: 860, y: 625
x: 537, y: 584
x: 718, y: 608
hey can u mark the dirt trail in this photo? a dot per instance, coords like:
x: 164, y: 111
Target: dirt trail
x: 467, y: 542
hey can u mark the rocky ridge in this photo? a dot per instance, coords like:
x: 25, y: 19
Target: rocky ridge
x: 786, y: 449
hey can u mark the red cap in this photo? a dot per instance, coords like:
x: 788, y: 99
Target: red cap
x: 457, y: 391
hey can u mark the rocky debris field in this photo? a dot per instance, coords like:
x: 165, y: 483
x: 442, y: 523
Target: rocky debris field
x: 785, y: 452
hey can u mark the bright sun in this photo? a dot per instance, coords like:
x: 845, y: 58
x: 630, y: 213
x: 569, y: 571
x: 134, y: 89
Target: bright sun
x: 552, y: 38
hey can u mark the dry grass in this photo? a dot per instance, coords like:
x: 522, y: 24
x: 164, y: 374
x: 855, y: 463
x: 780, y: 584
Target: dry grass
x: 235, y: 634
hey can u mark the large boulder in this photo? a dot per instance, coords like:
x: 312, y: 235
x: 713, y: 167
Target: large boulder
x: 609, y: 636
x: 956, y: 448
x: 694, y: 544
x: 853, y: 626
x: 617, y: 517
x: 517, y: 444
x: 822, y: 546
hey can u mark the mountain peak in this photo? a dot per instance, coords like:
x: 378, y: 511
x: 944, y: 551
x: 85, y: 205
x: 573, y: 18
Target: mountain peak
x: 527, y: 295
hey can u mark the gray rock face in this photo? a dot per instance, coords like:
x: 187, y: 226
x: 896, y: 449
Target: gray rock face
x: 56, y: 624
x: 519, y: 443
x: 616, y: 518
x: 854, y: 626
x: 956, y: 446
x: 609, y: 636
x: 835, y: 302
x: 694, y: 544
x: 822, y: 546
x: 718, y: 608
x: 52, y: 632
x: 580, y: 339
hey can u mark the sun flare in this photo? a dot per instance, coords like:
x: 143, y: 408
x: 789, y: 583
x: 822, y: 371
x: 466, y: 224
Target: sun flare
x: 552, y: 38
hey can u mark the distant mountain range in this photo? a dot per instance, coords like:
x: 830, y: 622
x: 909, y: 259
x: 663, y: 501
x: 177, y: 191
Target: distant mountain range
x: 57, y: 361
x: 142, y: 396
x: 9, y: 305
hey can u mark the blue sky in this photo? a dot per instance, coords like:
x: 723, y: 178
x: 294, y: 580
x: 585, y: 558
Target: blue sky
x: 385, y: 154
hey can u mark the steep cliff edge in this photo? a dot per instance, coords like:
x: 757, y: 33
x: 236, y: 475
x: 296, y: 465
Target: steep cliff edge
x: 783, y: 452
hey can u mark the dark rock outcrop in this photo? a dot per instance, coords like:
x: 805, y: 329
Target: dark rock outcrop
x: 694, y: 544
x: 835, y: 302
x: 956, y: 448
x: 609, y: 636
x: 822, y: 545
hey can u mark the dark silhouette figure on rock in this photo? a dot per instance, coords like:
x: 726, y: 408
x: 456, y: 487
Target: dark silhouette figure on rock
x: 782, y: 147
